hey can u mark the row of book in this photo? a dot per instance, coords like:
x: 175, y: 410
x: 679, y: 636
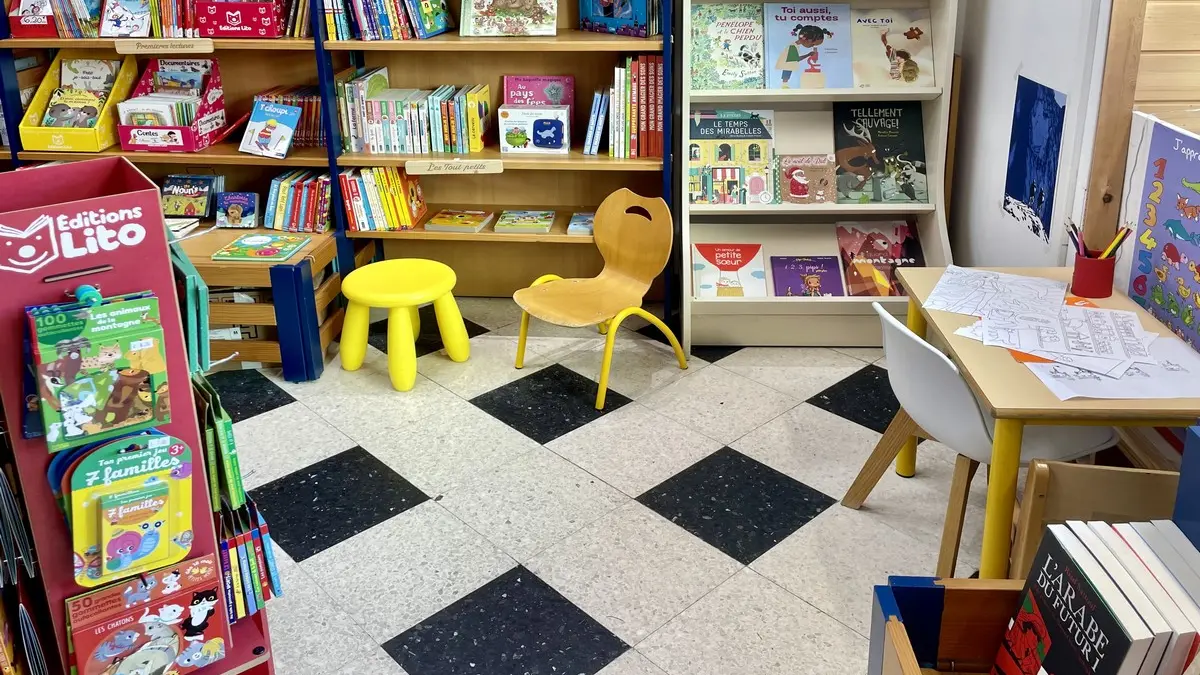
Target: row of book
x: 878, y: 157
x: 511, y: 221
x: 868, y: 255
x: 635, y: 109
x: 309, y: 131
x: 381, y: 199
x: 150, y: 18
x: 385, y: 19
x: 809, y: 46
x: 1107, y: 598
x: 298, y: 201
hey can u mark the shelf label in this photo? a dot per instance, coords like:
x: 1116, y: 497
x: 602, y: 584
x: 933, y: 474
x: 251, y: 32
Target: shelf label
x: 165, y: 46
x: 426, y: 167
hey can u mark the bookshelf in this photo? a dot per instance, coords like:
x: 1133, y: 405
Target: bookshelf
x: 806, y: 229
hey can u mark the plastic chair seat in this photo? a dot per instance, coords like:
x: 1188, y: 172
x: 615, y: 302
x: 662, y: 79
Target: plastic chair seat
x: 405, y: 282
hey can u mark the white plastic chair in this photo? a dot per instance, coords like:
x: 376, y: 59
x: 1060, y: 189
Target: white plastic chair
x: 936, y: 403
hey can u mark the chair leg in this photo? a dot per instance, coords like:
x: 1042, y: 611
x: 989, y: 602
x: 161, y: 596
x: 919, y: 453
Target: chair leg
x: 602, y: 328
x: 611, y: 337
x: 679, y: 355
x: 956, y: 509
x: 354, y: 335
x: 885, y: 451
x: 402, y: 350
x: 414, y: 315
x: 521, y: 335
x: 452, y: 328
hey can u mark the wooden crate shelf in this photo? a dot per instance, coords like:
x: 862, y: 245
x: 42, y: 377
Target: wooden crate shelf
x: 573, y: 161
x: 221, y: 153
x: 565, y: 41
x: 556, y: 235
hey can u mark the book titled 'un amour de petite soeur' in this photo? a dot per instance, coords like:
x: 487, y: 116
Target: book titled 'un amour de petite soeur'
x: 1072, y: 617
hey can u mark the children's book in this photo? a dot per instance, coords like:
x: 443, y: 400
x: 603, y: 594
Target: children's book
x: 269, y: 132
x: 727, y: 46
x: 187, y: 195
x: 261, y: 247
x: 729, y: 156
x: 75, y: 108
x: 540, y: 90
x: 90, y: 74
x: 125, y: 18
x: 429, y: 17
x: 728, y: 270
x: 892, y: 47
x: 806, y: 276
x: 618, y: 17
x: 880, y: 150
x: 453, y: 220
x: 806, y: 179
x: 525, y: 222
x: 582, y: 223
x: 482, y: 18
x: 237, y: 209
x: 808, y: 46
x: 871, y: 252
x: 178, y: 82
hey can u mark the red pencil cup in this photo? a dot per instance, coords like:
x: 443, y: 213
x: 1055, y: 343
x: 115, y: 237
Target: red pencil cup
x: 1093, y: 277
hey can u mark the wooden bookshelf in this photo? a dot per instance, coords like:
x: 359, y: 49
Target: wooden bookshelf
x: 572, y: 161
x: 803, y: 123
x: 219, y: 44
x: 565, y: 41
x: 220, y: 154
x: 556, y: 235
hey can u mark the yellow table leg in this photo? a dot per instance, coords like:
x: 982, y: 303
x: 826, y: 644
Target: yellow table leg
x: 452, y: 328
x: 414, y: 315
x: 1001, y: 495
x: 402, y: 349
x: 906, y: 461
x: 354, y: 335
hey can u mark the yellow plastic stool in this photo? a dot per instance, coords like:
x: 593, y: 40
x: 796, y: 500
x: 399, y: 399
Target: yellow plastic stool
x: 401, y: 286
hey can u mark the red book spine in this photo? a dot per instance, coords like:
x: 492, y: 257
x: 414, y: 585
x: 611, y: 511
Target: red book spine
x: 310, y: 218
x: 350, y: 220
x: 263, y: 581
x: 293, y: 217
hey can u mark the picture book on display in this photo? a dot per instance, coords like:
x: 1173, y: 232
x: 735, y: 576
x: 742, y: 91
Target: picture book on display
x: 540, y: 90
x: 728, y: 270
x: 453, y: 220
x: 637, y: 18
x: 808, y: 46
x: 806, y: 179
x: 727, y: 46
x: 525, y: 222
x: 310, y: 132
x: 892, y: 47
x: 125, y: 18
x: 270, y: 129
x: 237, y: 209
x: 489, y: 18
x: 871, y: 252
x: 259, y: 247
x: 90, y: 74
x: 384, y: 19
x: 74, y: 108
x: 1072, y: 617
x: 298, y: 201
x: 544, y: 129
x: 807, y: 276
x: 730, y: 154
x: 880, y: 152
x: 187, y: 195
x: 582, y: 223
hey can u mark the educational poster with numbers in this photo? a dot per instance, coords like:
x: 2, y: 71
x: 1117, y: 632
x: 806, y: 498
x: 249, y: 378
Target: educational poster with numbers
x: 1164, y: 277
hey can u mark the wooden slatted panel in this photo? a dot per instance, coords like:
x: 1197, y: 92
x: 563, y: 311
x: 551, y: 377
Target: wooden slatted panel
x: 1166, y: 85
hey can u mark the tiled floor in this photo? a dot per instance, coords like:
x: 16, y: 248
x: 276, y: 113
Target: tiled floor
x: 492, y: 522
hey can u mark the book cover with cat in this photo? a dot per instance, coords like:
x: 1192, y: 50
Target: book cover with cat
x: 171, y: 620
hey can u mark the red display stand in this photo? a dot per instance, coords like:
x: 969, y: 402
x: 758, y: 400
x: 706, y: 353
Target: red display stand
x: 95, y: 222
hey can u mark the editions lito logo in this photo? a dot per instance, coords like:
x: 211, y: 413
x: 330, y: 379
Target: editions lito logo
x: 45, y: 239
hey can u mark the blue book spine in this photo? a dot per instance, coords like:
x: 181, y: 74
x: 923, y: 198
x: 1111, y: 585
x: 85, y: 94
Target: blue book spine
x: 415, y: 14
x: 385, y: 23
x: 460, y: 115
x: 272, y: 197
x: 600, y: 124
x: 269, y: 554
x: 247, y: 589
x: 591, y: 130
x: 366, y: 204
x: 303, y: 206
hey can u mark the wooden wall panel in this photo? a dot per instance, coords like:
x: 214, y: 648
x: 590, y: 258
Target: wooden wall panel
x: 1168, y: 83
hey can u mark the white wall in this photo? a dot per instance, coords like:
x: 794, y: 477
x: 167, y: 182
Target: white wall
x: 1054, y: 43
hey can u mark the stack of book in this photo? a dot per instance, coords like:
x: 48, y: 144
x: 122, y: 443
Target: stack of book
x: 309, y: 132
x: 1107, y: 598
x: 381, y: 199
x: 635, y: 109
x: 385, y: 19
x: 175, y: 98
x: 377, y: 119
x: 84, y: 86
x: 298, y: 201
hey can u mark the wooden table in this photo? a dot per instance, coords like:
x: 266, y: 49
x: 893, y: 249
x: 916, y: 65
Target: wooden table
x: 1015, y: 397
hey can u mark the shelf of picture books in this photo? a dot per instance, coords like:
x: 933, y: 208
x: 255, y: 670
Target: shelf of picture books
x: 189, y: 24
x: 524, y: 21
x: 538, y: 125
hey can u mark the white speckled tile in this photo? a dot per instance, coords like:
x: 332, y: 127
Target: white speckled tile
x: 631, y: 663
x: 639, y: 366
x: 280, y: 441
x: 632, y: 570
x: 718, y: 403
x: 531, y: 502
x: 799, y: 373
x: 436, y: 453
x: 837, y: 579
x: 491, y: 313
x: 864, y: 354
x: 375, y: 662
x: 750, y: 625
x: 491, y: 365
x: 634, y: 448
x: 407, y: 568
x: 554, y: 342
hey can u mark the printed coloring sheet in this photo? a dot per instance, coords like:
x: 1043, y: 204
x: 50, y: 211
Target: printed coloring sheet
x: 1174, y: 373
x: 1109, y: 367
x: 983, y: 293
x: 1078, y: 331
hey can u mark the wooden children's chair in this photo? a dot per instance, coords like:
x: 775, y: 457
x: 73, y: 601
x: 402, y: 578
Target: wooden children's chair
x: 936, y: 402
x: 634, y: 236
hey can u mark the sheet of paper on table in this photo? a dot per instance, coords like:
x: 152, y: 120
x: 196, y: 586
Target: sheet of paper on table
x: 1079, y: 331
x: 1175, y: 374
x: 965, y: 290
x: 1103, y: 366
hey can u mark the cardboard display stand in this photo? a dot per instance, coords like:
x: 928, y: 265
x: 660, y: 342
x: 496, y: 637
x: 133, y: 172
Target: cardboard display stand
x: 220, y: 19
x: 95, y: 222
x: 201, y: 133
x: 34, y: 136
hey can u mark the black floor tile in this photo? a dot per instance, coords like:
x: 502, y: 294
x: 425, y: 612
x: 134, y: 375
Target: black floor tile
x: 865, y: 397
x: 328, y: 502
x: 548, y: 403
x: 514, y: 625
x: 429, y: 341
x: 735, y: 503
x: 246, y: 393
x: 709, y: 354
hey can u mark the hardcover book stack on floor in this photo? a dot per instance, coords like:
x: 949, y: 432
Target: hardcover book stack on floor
x: 1107, y: 598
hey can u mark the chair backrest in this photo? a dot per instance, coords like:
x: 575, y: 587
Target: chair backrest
x: 634, y: 235
x: 932, y: 391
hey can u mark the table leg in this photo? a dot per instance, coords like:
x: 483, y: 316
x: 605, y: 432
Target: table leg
x: 1001, y: 496
x: 402, y: 349
x: 906, y: 461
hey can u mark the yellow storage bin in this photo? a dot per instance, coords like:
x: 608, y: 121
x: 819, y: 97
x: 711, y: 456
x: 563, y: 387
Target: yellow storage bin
x: 34, y: 136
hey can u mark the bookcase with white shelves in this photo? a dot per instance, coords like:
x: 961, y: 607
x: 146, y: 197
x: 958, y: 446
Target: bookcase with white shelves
x: 803, y: 124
